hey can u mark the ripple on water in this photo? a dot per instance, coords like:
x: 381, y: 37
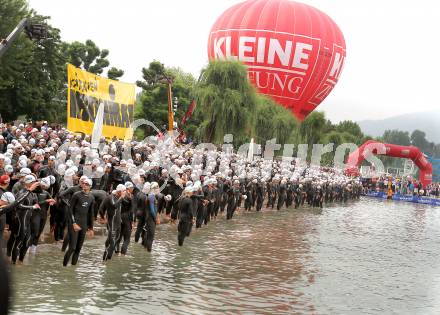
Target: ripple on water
x: 371, y: 257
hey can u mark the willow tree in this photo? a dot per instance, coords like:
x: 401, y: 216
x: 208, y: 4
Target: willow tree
x: 226, y: 101
x: 273, y: 121
x: 312, y: 128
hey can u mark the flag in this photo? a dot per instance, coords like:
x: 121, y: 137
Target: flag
x: 189, y: 113
x: 97, y: 127
x: 251, y: 151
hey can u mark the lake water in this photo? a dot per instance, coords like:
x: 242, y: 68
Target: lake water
x: 367, y: 257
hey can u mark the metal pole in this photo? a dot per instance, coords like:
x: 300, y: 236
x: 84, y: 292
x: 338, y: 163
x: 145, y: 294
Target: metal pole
x: 170, y: 109
x: 6, y: 43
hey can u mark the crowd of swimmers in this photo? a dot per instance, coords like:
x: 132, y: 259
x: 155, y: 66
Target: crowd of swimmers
x: 53, y: 175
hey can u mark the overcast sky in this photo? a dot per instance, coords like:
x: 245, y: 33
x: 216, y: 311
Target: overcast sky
x: 393, y: 51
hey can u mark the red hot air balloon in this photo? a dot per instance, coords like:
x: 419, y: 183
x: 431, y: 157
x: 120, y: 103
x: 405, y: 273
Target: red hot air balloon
x: 294, y: 52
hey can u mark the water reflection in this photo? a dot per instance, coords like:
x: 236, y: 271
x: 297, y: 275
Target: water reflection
x: 366, y: 257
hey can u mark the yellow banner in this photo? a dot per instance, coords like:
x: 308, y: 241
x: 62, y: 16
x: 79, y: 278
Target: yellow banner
x: 86, y: 91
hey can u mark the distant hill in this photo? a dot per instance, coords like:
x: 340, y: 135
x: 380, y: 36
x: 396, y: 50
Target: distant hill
x: 428, y: 122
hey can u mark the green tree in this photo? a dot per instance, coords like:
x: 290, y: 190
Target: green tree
x: 273, y: 121
x: 15, y: 61
x: 30, y: 73
x: 335, y: 137
x: 352, y: 128
x: 396, y: 137
x: 227, y: 102
x: 153, y: 102
x: 338, y: 138
x: 311, y: 129
x: 114, y: 73
x: 418, y: 139
x: 90, y: 57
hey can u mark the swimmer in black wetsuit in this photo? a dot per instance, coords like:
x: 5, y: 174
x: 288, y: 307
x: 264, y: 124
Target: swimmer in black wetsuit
x: 81, y: 215
x: 126, y: 222
x: 39, y: 217
x: 150, y: 203
x: 112, y: 206
x: 282, y: 194
x: 260, y: 194
x: 186, y: 215
x: 19, y: 240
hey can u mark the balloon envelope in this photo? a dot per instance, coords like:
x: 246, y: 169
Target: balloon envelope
x: 294, y: 52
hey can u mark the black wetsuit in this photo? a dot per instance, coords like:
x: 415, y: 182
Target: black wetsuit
x: 61, y: 218
x: 260, y: 195
x: 112, y: 206
x: 99, y: 195
x: 272, y: 194
x: 249, y: 197
x: 126, y: 226
x: 298, y: 197
x: 39, y: 216
x: 209, y: 195
x: 224, y: 196
x: 318, y: 198
x: 175, y: 191
x: 201, y: 208
x: 269, y: 195
x: 217, y: 200
x: 81, y: 213
x: 237, y: 196
x: 195, y: 200
x: 289, y: 195
x: 185, y: 219
x: 149, y: 207
x: 10, y: 210
x: 106, y: 182
x: 281, y: 196
x: 230, y: 200
x: 140, y: 216
x: 19, y: 240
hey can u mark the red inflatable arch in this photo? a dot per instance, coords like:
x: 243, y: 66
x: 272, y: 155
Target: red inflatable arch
x: 356, y: 158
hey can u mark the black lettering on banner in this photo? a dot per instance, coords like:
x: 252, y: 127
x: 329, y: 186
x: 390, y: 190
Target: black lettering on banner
x: 117, y: 115
x: 112, y: 114
x: 86, y: 108
x: 113, y: 118
x: 107, y: 114
x: 124, y: 115
x: 83, y: 107
x: 83, y: 86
